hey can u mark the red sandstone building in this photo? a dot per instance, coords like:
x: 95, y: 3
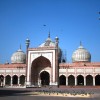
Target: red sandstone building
x: 44, y: 66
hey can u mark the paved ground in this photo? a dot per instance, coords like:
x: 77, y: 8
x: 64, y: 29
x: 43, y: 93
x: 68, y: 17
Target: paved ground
x: 43, y: 98
x: 24, y: 94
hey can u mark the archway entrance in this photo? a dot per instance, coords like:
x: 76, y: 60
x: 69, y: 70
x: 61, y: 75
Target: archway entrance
x: 71, y: 80
x: 15, y: 80
x: 80, y: 80
x: 8, y: 80
x: 45, y: 78
x: 38, y: 65
x: 22, y: 79
x: 89, y: 80
x: 97, y: 80
x: 62, y: 80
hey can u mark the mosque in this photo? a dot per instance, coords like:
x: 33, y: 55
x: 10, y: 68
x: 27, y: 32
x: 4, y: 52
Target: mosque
x: 45, y: 66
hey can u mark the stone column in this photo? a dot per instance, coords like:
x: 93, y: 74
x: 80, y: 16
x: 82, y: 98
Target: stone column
x: 11, y: 81
x: 39, y: 82
x: 4, y: 81
x: 25, y: 81
x: 84, y: 81
x: 18, y: 80
x: 66, y: 81
x: 75, y: 81
x: 93, y: 81
x: 56, y: 62
x: 27, y: 67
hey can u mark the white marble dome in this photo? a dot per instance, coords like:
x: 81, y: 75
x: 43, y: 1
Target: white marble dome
x: 18, y: 57
x: 81, y: 55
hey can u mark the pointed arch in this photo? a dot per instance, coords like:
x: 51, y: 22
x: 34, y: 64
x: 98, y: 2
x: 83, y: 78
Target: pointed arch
x: 38, y: 64
x: 41, y: 61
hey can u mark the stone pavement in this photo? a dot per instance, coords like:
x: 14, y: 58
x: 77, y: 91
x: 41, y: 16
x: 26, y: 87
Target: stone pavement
x: 49, y: 93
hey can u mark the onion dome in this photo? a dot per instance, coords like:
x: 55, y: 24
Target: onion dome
x: 18, y: 57
x: 81, y: 55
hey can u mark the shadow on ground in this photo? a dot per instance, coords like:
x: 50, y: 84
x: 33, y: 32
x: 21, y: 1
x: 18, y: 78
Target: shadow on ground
x: 12, y: 92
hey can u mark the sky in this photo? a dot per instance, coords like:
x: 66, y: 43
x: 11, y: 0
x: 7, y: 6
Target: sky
x: 70, y: 20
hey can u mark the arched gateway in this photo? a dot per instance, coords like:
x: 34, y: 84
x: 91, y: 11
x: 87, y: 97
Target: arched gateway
x: 45, y: 78
x: 38, y: 75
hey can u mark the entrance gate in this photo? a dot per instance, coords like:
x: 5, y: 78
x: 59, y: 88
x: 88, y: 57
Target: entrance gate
x: 45, y: 78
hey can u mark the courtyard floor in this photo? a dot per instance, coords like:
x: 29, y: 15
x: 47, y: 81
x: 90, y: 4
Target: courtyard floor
x: 44, y: 93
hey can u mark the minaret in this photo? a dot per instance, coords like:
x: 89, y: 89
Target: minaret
x: 27, y: 46
x: 27, y: 43
x: 57, y: 62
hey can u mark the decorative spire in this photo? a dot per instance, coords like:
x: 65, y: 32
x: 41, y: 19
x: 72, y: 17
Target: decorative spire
x: 81, y: 47
x: 56, y: 41
x: 27, y: 43
x: 80, y: 43
x: 49, y: 34
x: 20, y: 46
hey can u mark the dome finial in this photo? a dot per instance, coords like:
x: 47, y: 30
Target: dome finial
x: 20, y: 46
x: 49, y: 34
x: 80, y: 43
x: 81, y: 46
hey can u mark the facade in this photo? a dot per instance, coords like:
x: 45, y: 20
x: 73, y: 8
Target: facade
x: 45, y: 66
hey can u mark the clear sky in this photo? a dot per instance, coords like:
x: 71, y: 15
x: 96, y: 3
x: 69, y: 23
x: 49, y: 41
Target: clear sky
x: 71, y: 20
